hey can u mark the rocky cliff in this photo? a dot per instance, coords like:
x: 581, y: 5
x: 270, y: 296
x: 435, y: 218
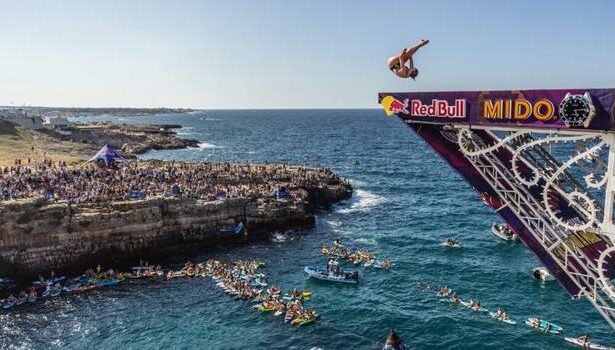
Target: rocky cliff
x: 36, y: 235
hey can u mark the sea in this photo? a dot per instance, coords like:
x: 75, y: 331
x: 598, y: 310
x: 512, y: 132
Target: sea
x: 406, y: 202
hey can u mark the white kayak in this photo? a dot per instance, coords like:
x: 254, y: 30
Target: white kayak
x: 509, y: 321
x: 451, y: 245
x: 503, y: 232
x: 588, y: 345
x: 473, y: 308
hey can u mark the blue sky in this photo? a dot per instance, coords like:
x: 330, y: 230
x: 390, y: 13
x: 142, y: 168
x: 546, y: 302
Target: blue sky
x: 293, y: 53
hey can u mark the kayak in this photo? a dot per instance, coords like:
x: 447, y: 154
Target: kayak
x: 107, y: 283
x: 588, y: 345
x: 311, y: 320
x: 9, y: 305
x: 72, y: 288
x: 265, y: 309
x: 350, y: 277
x: 257, y: 283
x: 467, y: 304
x: 554, y: 329
x: 49, y: 281
x: 84, y: 288
x: 451, y: 245
x: 509, y: 321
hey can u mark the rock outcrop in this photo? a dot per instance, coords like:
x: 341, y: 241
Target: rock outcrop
x: 36, y: 235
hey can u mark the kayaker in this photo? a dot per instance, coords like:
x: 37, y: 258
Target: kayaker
x: 477, y: 306
x: 333, y: 267
x: 584, y: 341
x: 393, y: 342
x: 11, y: 299
x: 536, y: 324
x: 455, y: 298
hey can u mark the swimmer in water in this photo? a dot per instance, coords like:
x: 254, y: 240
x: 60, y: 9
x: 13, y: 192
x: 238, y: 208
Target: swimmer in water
x: 397, y: 64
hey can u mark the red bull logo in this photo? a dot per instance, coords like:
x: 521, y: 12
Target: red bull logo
x: 439, y: 108
x: 392, y: 106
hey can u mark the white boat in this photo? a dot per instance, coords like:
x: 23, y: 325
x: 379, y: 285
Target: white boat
x: 541, y: 273
x: 503, y: 232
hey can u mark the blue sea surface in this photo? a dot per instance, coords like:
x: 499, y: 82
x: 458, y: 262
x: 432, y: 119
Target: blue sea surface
x: 406, y: 202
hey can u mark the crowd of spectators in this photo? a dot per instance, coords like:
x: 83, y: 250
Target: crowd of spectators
x: 92, y: 183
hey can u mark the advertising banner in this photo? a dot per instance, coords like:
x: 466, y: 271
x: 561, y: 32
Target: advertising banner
x: 588, y: 109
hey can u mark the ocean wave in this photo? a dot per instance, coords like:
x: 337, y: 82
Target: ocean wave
x: 333, y: 223
x: 357, y: 183
x: 206, y: 145
x: 363, y: 201
x: 368, y: 241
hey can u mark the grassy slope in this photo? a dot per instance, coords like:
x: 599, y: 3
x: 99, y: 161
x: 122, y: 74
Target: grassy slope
x: 17, y: 142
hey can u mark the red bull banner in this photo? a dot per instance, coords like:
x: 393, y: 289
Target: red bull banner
x: 590, y: 109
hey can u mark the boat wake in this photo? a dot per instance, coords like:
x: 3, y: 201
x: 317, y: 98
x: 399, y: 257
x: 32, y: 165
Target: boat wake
x: 363, y: 201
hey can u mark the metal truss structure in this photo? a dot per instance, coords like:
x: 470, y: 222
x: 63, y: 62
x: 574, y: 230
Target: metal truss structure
x: 577, y: 166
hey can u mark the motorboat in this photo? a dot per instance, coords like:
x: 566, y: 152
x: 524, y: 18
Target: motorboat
x: 503, y: 232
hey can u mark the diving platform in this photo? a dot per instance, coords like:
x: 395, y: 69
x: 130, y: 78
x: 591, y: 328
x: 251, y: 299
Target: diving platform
x: 544, y: 160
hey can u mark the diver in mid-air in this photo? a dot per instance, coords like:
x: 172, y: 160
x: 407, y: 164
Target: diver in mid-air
x: 397, y: 64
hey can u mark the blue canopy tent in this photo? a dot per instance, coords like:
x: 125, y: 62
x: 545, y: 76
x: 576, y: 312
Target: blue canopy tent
x: 107, y: 154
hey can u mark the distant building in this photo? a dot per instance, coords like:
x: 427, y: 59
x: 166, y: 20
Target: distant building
x: 55, y: 122
x: 21, y: 118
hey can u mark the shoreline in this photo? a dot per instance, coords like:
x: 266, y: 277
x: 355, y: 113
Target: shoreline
x: 39, y: 235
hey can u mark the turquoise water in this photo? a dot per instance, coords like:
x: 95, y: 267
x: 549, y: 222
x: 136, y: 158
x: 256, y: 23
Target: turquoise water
x: 407, y: 200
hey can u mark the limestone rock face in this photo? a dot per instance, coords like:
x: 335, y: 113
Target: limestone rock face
x: 36, y: 235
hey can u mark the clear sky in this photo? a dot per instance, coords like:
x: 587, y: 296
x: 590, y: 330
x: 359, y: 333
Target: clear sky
x: 292, y: 53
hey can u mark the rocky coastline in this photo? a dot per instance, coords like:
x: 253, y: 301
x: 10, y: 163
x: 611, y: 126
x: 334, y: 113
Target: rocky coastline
x: 38, y: 235
x: 131, y: 139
